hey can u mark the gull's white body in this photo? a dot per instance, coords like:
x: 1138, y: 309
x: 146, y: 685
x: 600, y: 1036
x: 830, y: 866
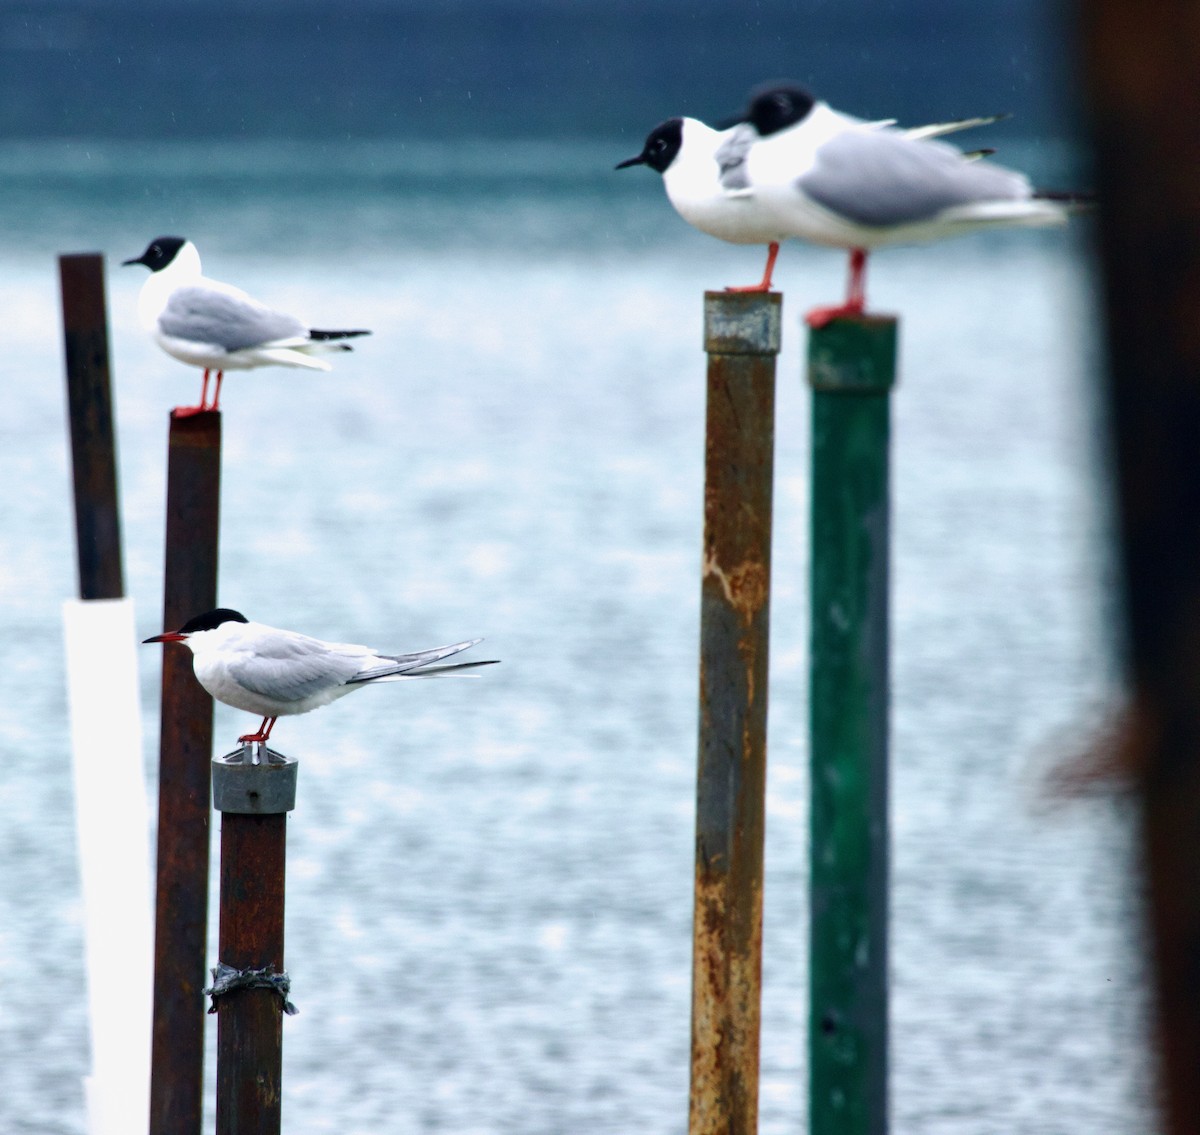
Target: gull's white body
x: 741, y: 188
x: 839, y: 181
x: 213, y: 325
x: 693, y: 185
x: 275, y: 673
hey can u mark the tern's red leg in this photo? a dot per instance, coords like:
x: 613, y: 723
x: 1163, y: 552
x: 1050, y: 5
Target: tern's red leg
x: 765, y: 284
x: 217, y: 392
x: 264, y: 730
x: 188, y: 411
x: 856, y: 294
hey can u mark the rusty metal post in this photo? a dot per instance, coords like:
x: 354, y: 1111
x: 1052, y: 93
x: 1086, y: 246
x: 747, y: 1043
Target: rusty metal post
x: 181, y: 911
x: 741, y: 336
x: 1141, y: 63
x: 851, y: 368
x: 93, y: 444
x: 253, y: 791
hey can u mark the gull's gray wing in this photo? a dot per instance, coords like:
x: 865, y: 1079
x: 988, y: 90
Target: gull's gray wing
x: 731, y: 157
x: 880, y: 177
x: 202, y: 315
x: 296, y: 667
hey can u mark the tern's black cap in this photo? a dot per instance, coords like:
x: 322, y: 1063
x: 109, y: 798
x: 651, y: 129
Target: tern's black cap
x: 210, y: 620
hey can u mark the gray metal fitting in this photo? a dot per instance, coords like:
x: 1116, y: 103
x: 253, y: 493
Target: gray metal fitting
x: 254, y: 780
x: 742, y: 323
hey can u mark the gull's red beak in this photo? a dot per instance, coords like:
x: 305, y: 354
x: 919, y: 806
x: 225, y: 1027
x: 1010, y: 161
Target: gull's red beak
x: 166, y: 636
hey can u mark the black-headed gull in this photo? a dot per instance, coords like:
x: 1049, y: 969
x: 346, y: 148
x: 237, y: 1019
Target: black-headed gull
x: 826, y: 177
x: 218, y: 327
x: 791, y: 166
x: 275, y: 673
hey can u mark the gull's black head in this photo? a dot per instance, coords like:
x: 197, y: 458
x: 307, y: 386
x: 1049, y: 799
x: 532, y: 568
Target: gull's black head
x: 777, y: 107
x: 159, y: 252
x: 772, y: 108
x: 662, y: 147
x: 210, y: 620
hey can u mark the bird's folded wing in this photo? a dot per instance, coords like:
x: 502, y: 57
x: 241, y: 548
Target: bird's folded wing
x: 731, y: 158
x: 297, y: 668
x: 880, y: 177
x: 204, y: 315
x: 937, y: 129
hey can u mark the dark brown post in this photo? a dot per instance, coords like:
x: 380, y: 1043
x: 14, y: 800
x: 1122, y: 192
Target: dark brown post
x: 253, y: 799
x: 741, y: 336
x: 93, y: 444
x: 181, y: 912
x: 1142, y: 60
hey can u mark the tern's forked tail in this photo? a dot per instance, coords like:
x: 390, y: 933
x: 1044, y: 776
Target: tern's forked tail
x: 453, y: 670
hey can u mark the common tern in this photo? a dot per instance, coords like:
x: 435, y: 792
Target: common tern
x: 208, y: 324
x: 275, y: 673
x: 832, y: 179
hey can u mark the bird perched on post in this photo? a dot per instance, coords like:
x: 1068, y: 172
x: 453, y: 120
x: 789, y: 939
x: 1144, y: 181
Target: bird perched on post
x: 791, y: 166
x: 275, y: 673
x: 208, y: 324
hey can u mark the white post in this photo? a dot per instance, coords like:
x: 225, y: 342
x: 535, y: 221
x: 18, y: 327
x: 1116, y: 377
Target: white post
x: 112, y: 828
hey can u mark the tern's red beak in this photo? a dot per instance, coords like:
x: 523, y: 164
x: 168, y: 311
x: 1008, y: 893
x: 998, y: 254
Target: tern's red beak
x: 166, y: 636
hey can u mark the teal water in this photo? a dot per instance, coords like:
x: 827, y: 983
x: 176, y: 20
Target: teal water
x: 490, y: 882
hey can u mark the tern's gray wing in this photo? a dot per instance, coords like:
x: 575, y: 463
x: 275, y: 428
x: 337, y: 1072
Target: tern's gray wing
x: 202, y: 315
x: 296, y: 667
x: 405, y: 663
x: 880, y: 177
x: 731, y: 157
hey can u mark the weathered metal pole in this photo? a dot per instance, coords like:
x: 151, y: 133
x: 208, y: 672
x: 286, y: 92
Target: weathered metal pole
x: 181, y: 912
x: 89, y: 406
x: 741, y: 336
x: 253, y: 792
x: 851, y: 368
x: 1141, y: 62
x: 112, y: 821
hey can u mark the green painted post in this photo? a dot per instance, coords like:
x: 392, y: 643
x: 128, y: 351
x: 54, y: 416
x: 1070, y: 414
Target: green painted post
x: 851, y: 368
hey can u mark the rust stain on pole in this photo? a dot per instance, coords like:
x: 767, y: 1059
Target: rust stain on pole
x: 250, y: 1021
x: 742, y: 340
x: 93, y: 442
x: 181, y: 910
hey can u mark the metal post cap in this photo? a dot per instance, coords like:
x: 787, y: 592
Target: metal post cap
x: 254, y: 780
x: 742, y: 323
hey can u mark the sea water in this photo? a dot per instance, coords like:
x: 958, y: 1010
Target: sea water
x: 489, y: 882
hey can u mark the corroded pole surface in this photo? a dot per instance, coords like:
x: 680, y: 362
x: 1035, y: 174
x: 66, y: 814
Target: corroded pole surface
x: 851, y: 368
x: 1141, y: 63
x: 250, y: 1021
x: 93, y: 442
x: 742, y: 339
x: 253, y: 795
x: 185, y: 750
